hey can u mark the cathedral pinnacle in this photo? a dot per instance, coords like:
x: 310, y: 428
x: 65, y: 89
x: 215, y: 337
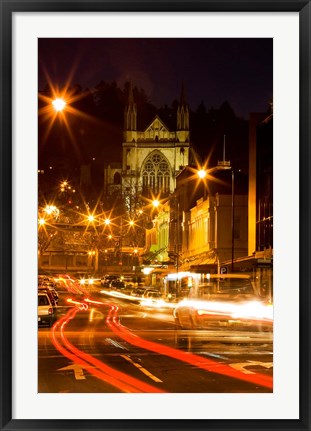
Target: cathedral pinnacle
x: 130, y: 114
x: 183, y: 111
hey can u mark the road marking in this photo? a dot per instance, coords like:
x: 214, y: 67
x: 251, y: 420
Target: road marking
x: 115, y: 344
x: 213, y: 355
x: 241, y: 366
x: 142, y: 369
x: 77, y: 369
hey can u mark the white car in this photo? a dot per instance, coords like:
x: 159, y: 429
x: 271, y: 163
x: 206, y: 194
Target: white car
x: 225, y: 301
x: 45, y: 310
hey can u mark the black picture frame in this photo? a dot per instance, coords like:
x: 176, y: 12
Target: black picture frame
x: 8, y: 7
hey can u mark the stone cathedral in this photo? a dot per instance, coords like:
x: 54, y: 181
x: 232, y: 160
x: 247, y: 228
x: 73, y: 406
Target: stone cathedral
x: 152, y: 157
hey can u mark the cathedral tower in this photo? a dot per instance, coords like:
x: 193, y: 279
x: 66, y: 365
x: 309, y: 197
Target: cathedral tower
x: 183, y: 118
x: 130, y: 118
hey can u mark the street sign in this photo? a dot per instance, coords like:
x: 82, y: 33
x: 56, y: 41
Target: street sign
x: 223, y: 270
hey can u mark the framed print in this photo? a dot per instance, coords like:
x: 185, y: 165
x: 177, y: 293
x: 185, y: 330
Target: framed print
x: 155, y: 188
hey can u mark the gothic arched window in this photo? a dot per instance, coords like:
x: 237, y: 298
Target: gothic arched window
x: 156, y: 175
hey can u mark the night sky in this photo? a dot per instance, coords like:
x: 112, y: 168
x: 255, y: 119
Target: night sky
x: 214, y: 70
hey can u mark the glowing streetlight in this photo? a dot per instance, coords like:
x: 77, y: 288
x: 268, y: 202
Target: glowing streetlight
x: 59, y: 104
x: 41, y: 222
x: 202, y: 173
x: 156, y: 203
x: 107, y: 221
x: 91, y: 218
x: 64, y: 186
x: 49, y: 209
x: 52, y: 210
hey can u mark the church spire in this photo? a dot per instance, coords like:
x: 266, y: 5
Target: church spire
x: 130, y: 113
x: 183, y: 111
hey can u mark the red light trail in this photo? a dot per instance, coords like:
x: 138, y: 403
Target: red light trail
x: 108, y: 374
x: 190, y: 358
x: 127, y: 383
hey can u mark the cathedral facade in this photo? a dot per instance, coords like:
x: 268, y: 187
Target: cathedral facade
x: 151, y: 157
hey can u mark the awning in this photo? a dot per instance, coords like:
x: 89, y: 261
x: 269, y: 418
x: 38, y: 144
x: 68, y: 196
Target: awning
x: 206, y: 264
x: 211, y: 268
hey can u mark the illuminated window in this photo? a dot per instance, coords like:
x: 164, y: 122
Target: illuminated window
x: 156, y: 175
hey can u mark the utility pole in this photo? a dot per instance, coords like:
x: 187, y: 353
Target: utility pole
x: 177, y: 247
x: 232, y: 219
x: 225, y: 164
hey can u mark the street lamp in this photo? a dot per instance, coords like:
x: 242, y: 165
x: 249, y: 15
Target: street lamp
x: 232, y: 219
x: 224, y: 166
x: 107, y: 222
x: 202, y: 173
x: 156, y: 203
x: 41, y: 222
x: 177, y: 249
x: 59, y: 104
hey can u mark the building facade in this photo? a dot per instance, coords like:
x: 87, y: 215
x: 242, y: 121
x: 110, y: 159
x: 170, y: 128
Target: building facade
x: 196, y: 226
x: 151, y: 157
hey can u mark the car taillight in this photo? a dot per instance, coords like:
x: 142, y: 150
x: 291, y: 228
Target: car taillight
x: 50, y: 311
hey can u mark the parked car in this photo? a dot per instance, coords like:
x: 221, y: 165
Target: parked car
x: 108, y: 278
x: 43, y: 279
x: 225, y: 301
x: 45, y: 310
x: 51, y: 287
x: 48, y: 291
x: 117, y: 284
x: 128, y: 282
x: 55, y: 294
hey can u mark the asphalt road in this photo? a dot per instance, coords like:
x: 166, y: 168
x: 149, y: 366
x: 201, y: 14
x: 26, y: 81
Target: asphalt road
x: 103, y: 344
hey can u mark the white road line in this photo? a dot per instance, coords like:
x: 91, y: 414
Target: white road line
x: 115, y: 344
x: 213, y: 355
x: 142, y: 369
x: 241, y: 366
